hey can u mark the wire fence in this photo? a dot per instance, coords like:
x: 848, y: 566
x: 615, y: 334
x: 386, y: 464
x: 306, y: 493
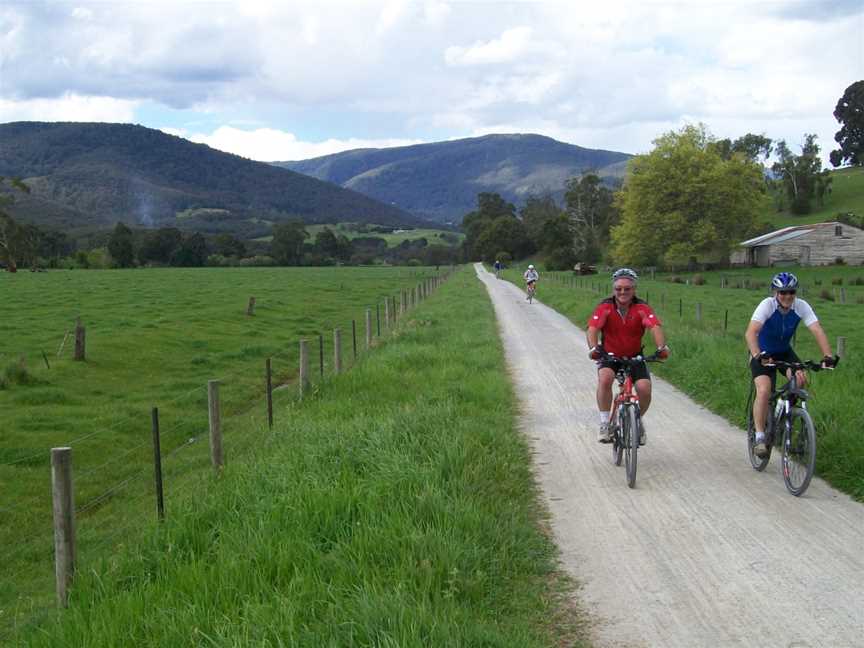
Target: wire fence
x: 121, y: 481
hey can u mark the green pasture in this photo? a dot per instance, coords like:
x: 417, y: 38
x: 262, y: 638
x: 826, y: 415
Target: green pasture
x: 709, y: 359
x: 396, y: 507
x: 847, y: 195
x: 154, y: 338
x: 432, y: 236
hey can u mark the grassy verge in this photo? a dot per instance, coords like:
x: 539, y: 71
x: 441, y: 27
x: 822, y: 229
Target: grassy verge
x: 709, y: 360
x: 154, y: 338
x: 396, y: 508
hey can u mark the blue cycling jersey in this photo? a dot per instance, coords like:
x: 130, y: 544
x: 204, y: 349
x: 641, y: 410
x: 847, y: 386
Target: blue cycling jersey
x: 778, y: 327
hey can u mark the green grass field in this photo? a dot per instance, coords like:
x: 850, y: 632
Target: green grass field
x: 394, y: 508
x: 847, y: 195
x: 154, y: 338
x: 433, y: 236
x: 709, y: 360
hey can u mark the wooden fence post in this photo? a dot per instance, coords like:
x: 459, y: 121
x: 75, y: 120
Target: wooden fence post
x: 378, y: 319
x: 250, y: 309
x: 321, y: 355
x: 354, y: 338
x: 841, y: 347
x: 368, y: 328
x: 337, y: 350
x: 64, y: 521
x: 157, y: 465
x: 80, y: 340
x: 216, y: 456
x: 698, y: 312
x: 304, y: 368
x: 386, y: 312
x: 842, y: 295
x: 268, y: 380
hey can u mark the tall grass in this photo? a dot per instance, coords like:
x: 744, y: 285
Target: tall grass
x: 709, y: 357
x: 397, y: 508
x: 154, y: 338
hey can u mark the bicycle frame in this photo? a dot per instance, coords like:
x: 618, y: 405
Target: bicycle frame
x: 787, y: 410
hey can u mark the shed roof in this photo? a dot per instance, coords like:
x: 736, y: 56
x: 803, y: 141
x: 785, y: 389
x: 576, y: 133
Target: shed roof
x: 784, y: 234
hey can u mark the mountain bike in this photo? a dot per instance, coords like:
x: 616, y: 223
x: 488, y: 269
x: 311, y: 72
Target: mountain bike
x: 788, y: 424
x: 626, y: 417
x: 530, y: 290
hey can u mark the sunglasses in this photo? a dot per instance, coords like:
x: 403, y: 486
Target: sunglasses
x: 626, y: 289
x: 786, y: 292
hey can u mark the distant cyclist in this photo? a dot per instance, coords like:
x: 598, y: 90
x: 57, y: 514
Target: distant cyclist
x: 769, y: 337
x: 531, y: 276
x: 498, y: 267
x: 622, y: 320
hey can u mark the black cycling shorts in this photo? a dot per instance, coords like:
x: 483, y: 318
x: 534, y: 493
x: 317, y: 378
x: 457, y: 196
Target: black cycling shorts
x: 758, y: 369
x: 638, y: 372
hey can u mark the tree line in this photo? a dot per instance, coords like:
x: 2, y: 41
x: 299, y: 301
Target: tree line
x: 686, y: 202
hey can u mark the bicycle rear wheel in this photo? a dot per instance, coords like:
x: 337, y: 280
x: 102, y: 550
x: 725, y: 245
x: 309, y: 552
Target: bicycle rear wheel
x: 758, y: 463
x: 799, y: 451
x: 617, y: 446
x: 630, y: 439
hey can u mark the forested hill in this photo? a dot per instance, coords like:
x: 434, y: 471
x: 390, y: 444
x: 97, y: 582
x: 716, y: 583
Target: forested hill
x: 89, y: 175
x: 441, y: 180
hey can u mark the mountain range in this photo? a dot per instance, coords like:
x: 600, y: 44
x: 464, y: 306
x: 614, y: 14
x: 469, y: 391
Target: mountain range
x: 440, y: 181
x: 88, y: 176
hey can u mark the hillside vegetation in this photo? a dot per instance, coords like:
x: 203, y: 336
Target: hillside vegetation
x: 441, y: 180
x: 395, y: 508
x: 847, y: 196
x: 87, y: 175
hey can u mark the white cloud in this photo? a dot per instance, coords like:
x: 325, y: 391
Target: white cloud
x: 69, y: 107
x: 269, y: 145
x: 512, y: 44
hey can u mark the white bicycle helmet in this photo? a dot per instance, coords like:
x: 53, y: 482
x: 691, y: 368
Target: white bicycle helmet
x: 625, y: 273
x: 530, y: 266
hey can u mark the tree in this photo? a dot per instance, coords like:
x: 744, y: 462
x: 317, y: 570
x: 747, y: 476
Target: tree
x: 591, y: 213
x: 227, y: 245
x: 536, y: 212
x: 287, y: 244
x: 801, y: 176
x: 850, y: 113
x: 160, y: 245
x: 13, y: 237
x: 490, y: 207
x: 192, y: 252
x: 684, y: 200
x: 120, y: 246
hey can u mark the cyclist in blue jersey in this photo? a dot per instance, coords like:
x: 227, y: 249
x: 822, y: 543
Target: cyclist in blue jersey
x: 769, y: 338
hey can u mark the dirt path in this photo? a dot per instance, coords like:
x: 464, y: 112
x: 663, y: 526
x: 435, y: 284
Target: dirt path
x: 704, y: 551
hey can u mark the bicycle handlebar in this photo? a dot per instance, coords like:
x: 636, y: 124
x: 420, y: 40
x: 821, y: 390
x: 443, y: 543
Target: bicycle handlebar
x: 807, y: 364
x: 634, y: 360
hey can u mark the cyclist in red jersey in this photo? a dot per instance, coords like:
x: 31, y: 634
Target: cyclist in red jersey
x: 616, y: 326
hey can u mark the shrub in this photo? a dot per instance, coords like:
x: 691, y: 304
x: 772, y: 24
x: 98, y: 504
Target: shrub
x: 857, y: 281
x: 839, y: 261
x: 16, y: 374
x: 817, y: 282
x: 837, y: 281
x: 676, y: 279
x: 826, y: 294
x: 698, y: 280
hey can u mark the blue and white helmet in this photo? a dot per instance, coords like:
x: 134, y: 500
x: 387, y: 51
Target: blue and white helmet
x: 784, y: 281
x: 625, y: 273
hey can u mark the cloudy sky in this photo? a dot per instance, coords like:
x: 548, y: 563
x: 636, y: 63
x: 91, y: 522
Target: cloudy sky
x: 300, y: 78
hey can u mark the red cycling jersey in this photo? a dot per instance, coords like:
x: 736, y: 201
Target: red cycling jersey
x: 623, y: 335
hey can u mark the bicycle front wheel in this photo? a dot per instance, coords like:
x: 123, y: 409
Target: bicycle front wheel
x: 630, y: 440
x: 799, y: 451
